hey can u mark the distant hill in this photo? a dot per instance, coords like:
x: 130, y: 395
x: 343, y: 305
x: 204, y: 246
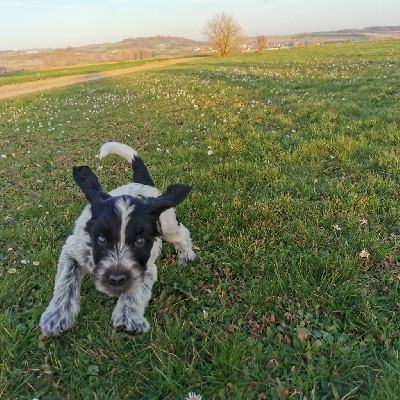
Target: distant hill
x: 382, y: 29
x: 169, y: 46
x: 159, y: 43
x: 170, y: 42
x: 330, y: 37
x: 128, y: 49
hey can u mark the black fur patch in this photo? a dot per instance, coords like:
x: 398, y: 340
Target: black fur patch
x: 140, y: 172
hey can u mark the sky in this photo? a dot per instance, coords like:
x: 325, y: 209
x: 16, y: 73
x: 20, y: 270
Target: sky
x: 28, y: 24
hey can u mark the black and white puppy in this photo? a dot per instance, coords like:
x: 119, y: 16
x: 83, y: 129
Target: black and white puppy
x: 117, y: 239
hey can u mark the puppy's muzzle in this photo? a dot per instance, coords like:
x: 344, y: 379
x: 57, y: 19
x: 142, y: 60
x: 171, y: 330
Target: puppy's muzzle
x: 116, y: 281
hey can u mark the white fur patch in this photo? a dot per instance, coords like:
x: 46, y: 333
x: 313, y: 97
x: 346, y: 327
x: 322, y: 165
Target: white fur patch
x: 125, y: 210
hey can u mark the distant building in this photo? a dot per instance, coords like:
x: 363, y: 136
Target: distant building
x: 248, y: 48
x: 280, y: 45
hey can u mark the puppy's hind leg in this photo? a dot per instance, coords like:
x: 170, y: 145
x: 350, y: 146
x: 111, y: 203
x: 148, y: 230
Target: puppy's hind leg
x: 177, y: 234
x: 64, y: 306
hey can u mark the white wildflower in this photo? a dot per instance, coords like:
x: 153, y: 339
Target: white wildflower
x: 364, y: 253
x: 193, y: 396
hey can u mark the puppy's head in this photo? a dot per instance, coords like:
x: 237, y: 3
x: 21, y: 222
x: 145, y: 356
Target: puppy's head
x: 123, y: 230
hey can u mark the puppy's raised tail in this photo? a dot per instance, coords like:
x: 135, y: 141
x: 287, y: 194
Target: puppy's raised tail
x: 140, y: 172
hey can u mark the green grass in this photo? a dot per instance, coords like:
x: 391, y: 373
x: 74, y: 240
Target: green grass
x: 278, y: 303
x: 29, y: 76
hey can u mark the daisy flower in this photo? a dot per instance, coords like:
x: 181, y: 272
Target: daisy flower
x: 364, y: 253
x: 193, y: 396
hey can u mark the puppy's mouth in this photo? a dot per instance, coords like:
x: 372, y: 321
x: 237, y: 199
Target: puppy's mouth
x: 112, y: 291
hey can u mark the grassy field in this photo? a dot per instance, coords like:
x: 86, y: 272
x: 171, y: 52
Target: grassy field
x: 29, y: 76
x: 293, y: 158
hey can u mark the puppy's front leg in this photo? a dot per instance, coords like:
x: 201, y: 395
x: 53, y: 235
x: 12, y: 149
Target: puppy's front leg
x: 64, y: 306
x: 128, y: 314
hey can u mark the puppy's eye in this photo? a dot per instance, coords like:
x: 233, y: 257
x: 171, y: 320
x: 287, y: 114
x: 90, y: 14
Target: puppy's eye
x: 101, y: 240
x: 140, y: 242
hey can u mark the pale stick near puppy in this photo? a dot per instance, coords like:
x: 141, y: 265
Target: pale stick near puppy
x: 117, y: 239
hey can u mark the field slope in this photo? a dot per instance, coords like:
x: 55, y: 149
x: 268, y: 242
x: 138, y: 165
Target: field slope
x: 45, y: 82
x: 293, y: 158
x: 13, y: 78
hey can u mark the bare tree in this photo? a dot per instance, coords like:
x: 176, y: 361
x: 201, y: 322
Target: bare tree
x: 224, y: 33
x: 261, y: 43
x: 61, y: 57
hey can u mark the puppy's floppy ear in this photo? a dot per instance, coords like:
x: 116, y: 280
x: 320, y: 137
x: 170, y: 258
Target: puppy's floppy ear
x: 173, y: 196
x: 90, y: 186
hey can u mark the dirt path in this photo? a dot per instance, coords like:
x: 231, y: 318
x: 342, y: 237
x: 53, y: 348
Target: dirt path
x: 17, y: 89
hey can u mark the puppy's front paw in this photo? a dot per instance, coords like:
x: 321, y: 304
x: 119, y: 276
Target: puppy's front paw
x: 131, y: 324
x: 56, y: 320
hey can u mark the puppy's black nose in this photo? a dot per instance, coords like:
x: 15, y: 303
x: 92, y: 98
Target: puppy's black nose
x: 117, y: 279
